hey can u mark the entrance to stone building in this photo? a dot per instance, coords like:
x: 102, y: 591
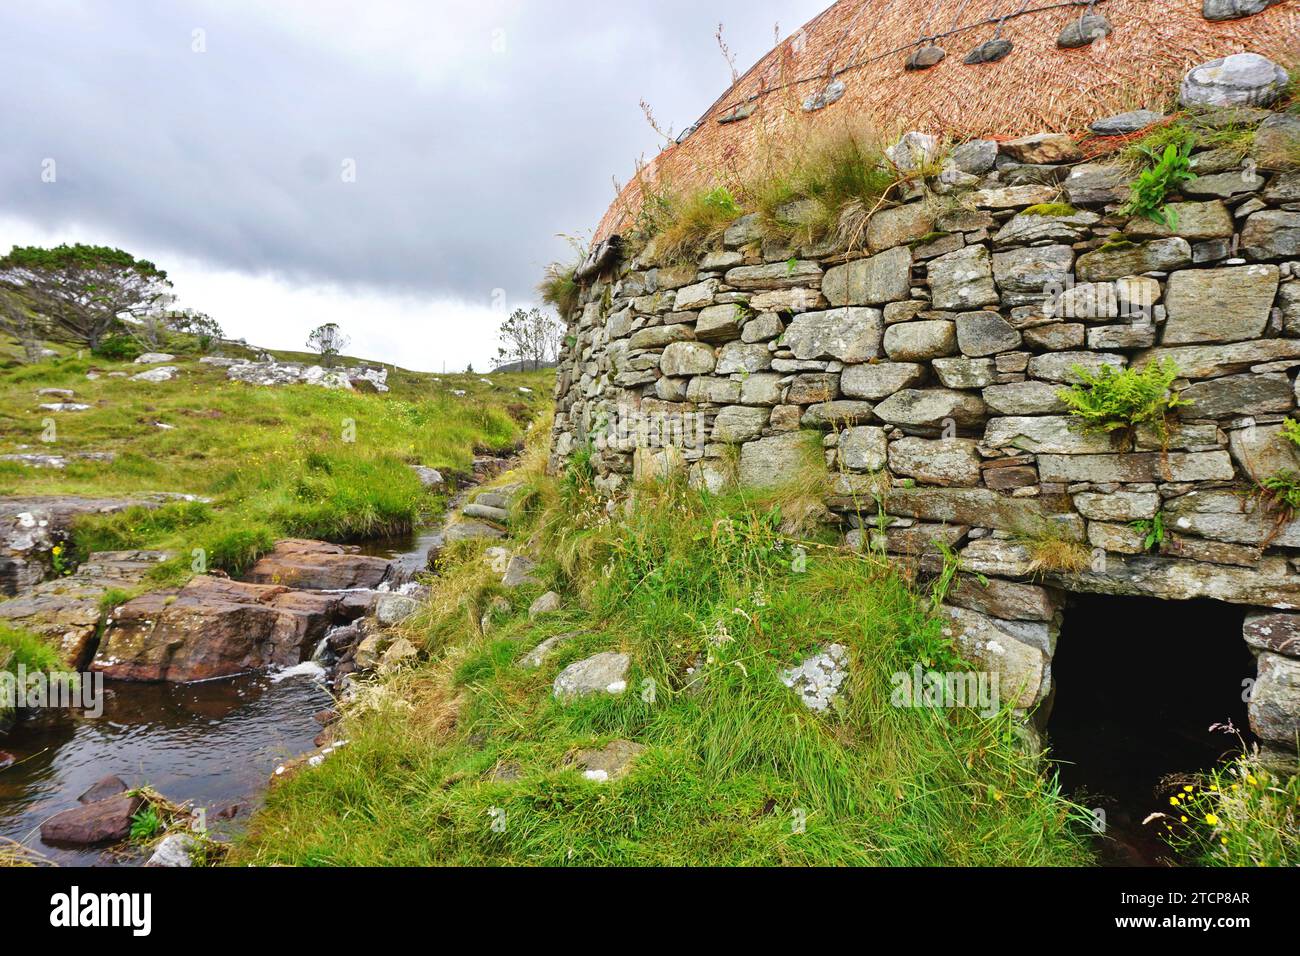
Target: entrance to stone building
x: 1137, y: 684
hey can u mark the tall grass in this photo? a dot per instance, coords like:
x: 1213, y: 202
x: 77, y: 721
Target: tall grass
x: 712, y: 602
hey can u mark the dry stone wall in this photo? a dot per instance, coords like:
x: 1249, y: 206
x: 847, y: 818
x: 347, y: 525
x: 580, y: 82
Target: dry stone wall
x: 926, y: 369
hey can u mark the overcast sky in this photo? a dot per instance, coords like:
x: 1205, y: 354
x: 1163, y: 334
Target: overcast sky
x: 400, y: 167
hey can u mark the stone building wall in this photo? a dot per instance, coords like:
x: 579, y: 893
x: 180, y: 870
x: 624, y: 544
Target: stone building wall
x: 926, y: 368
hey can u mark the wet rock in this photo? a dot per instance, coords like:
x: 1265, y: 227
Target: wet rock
x: 604, y: 673
x: 94, y: 824
x: 213, y: 628
x: 818, y: 679
x: 104, y: 789
x: 392, y: 609
x: 318, y: 566
x: 1242, y: 79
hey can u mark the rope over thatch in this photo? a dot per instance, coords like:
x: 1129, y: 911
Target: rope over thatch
x: 1038, y: 86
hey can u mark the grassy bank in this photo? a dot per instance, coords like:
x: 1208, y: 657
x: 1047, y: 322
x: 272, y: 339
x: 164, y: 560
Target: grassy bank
x: 298, y: 460
x: 711, y: 601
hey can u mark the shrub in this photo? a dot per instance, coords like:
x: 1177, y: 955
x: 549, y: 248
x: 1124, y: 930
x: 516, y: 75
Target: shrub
x: 1113, y: 399
x: 560, y: 288
x: 119, y: 348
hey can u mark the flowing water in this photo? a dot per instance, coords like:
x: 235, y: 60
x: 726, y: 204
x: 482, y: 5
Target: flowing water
x: 213, y: 744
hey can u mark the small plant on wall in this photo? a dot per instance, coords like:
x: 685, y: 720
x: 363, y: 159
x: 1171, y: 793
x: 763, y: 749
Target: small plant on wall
x: 1114, y: 399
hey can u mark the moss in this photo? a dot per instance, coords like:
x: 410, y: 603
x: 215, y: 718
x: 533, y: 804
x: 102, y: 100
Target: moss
x: 1050, y: 209
x: 928, y: 238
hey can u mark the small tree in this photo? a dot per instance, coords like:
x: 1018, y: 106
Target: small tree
x: 327, y: 342
x: 83, y: 291
x: 528, y: 337
x: 202, y: 328
x: 16, y: 319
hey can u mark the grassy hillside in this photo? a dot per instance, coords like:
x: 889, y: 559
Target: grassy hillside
x: 469, y: 758
x: 299, y: 460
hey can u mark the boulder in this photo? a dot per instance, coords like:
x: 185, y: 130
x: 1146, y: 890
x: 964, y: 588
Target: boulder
x: 604, y: 673
x: 392, y: 609
x: 213, y: 628
x: 104, y: 789
x: 318, y: 566
x: 94, y: 824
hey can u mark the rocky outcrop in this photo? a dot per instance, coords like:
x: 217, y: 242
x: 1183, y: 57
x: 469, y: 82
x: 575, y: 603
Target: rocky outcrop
x: 271, y: 373
x: 319, y: 566
x: 213, y: 628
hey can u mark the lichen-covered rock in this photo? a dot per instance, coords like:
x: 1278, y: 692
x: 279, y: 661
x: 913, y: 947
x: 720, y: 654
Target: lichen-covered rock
x: 604, y: 673
x: 1219, y: 305
x: 963, y: 280
x: 1271, y: 234
x: 1022, y: 669
x: 1275, y: 701
x: 1049, y: 434
x: 1097, y: 183
x: 931, y: 408
x: 818, y: 679
x: 1241, y: 79
x: 846, y: 334
x: 864, y: 448
x: 687, y: 358
x: 1024, y: 398
x: 771, y: 462
x: 739, y: 423
x: 885, y: 277
x: 920, y: 341
x: 1255, y: 394
x: 983, y: 333
x: 1127, y: 259
x: 949, y: 462
x: 876, y: 381
x: 1273, y: 632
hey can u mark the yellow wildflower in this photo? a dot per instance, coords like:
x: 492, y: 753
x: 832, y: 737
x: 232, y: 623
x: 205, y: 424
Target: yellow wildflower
x: 1212, y: 820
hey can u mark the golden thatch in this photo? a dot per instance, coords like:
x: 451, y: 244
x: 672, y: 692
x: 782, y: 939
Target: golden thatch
x: 1037, y: 87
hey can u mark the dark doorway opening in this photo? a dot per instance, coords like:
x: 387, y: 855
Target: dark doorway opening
x: 1137, y: 685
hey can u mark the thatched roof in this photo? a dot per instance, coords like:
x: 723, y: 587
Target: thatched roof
x: 1039, y: 86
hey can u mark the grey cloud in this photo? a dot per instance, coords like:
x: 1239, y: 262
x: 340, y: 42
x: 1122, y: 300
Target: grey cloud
x: 468, y: 162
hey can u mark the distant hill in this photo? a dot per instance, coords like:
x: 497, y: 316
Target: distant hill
x: 528, y: 366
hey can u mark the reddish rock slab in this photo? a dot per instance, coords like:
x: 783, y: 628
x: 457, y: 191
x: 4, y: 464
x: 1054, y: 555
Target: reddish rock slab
x: 318, y: 566
x: 213, y: 628
x: 106, y: 821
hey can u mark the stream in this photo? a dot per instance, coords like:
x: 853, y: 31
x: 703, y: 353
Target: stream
x: 214, y: 744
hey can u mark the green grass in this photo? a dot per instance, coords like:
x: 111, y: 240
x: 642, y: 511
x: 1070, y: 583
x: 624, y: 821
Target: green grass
x: 732, y: 762
x: 18, y: 647
x: 287, y: 461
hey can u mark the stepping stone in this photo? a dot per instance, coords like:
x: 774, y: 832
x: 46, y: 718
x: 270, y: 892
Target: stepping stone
x: 604, y: 673
x: 471, y: 530
x: 486, y: 513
